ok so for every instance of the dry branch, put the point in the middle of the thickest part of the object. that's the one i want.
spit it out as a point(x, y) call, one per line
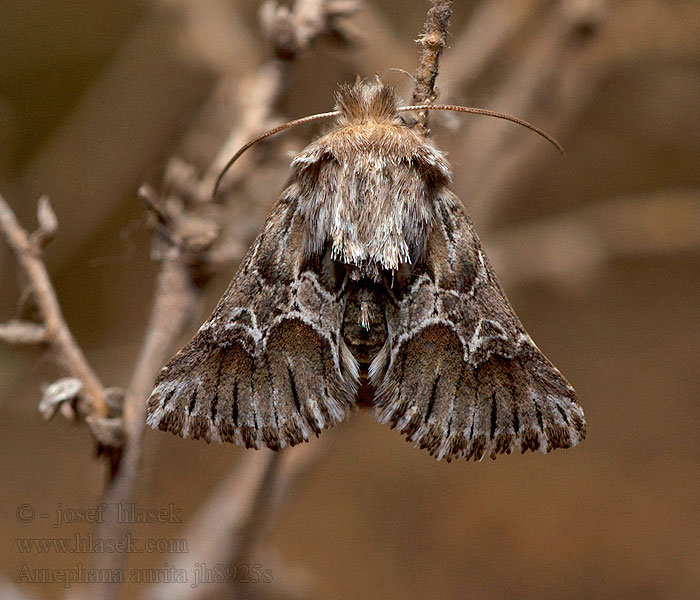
point(54, 330)
point(432, 39)
point(532, 90)
point(187, 228)
point(230, 524)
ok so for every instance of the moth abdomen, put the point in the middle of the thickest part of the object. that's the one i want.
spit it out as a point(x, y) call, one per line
point(364, 328)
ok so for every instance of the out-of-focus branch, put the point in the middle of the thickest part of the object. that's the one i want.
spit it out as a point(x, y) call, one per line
point(258, 93)
point(54, 330)
point(532, 90)
point(187, 226)
point(577, 44)
point(571, 248)
point(22, 332)
point(492, 27)
point(9, 590)
point(230, 525)
point(432, 39)
point(295, 464)
point(214, 530)
point(290, 33)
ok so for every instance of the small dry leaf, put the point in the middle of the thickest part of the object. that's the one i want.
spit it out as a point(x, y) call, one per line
point(60, 393)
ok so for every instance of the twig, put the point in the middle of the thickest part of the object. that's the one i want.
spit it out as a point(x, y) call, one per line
point(27, 247)
point(22, 332)
point(175, 299)
point(290, 33)
point(432, 39)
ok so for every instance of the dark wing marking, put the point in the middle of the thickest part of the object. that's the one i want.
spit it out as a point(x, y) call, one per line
point(460, 376)
point(269, 366)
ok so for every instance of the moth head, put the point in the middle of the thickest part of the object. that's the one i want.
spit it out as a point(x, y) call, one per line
point(366, 102)
point(375, 105)
point(369, 136)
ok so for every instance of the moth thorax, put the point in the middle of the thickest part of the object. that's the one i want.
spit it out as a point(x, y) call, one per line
point(369, 191)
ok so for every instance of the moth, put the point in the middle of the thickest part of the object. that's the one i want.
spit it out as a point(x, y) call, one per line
point(368, 285)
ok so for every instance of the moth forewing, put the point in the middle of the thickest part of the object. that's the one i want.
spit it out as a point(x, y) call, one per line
point(368, 282)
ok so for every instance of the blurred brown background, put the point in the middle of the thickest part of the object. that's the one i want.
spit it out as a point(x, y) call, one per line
point(597, 250)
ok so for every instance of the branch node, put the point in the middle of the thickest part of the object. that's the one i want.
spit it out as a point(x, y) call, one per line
point(48, 224)
point(108, 431)
point(291, 31)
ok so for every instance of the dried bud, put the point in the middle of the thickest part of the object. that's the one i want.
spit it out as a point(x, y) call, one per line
point(48, 223)
point(61, 392)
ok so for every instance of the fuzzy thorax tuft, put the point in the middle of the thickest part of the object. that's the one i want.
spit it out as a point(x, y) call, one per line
point(366, 102)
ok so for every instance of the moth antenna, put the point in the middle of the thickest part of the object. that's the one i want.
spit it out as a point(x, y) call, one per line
point(262, 136)
point(488, 113)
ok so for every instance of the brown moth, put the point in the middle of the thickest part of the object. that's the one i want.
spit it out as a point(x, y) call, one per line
point(368, 284)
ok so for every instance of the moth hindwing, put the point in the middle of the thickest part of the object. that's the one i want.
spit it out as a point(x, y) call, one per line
point(368, 284)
